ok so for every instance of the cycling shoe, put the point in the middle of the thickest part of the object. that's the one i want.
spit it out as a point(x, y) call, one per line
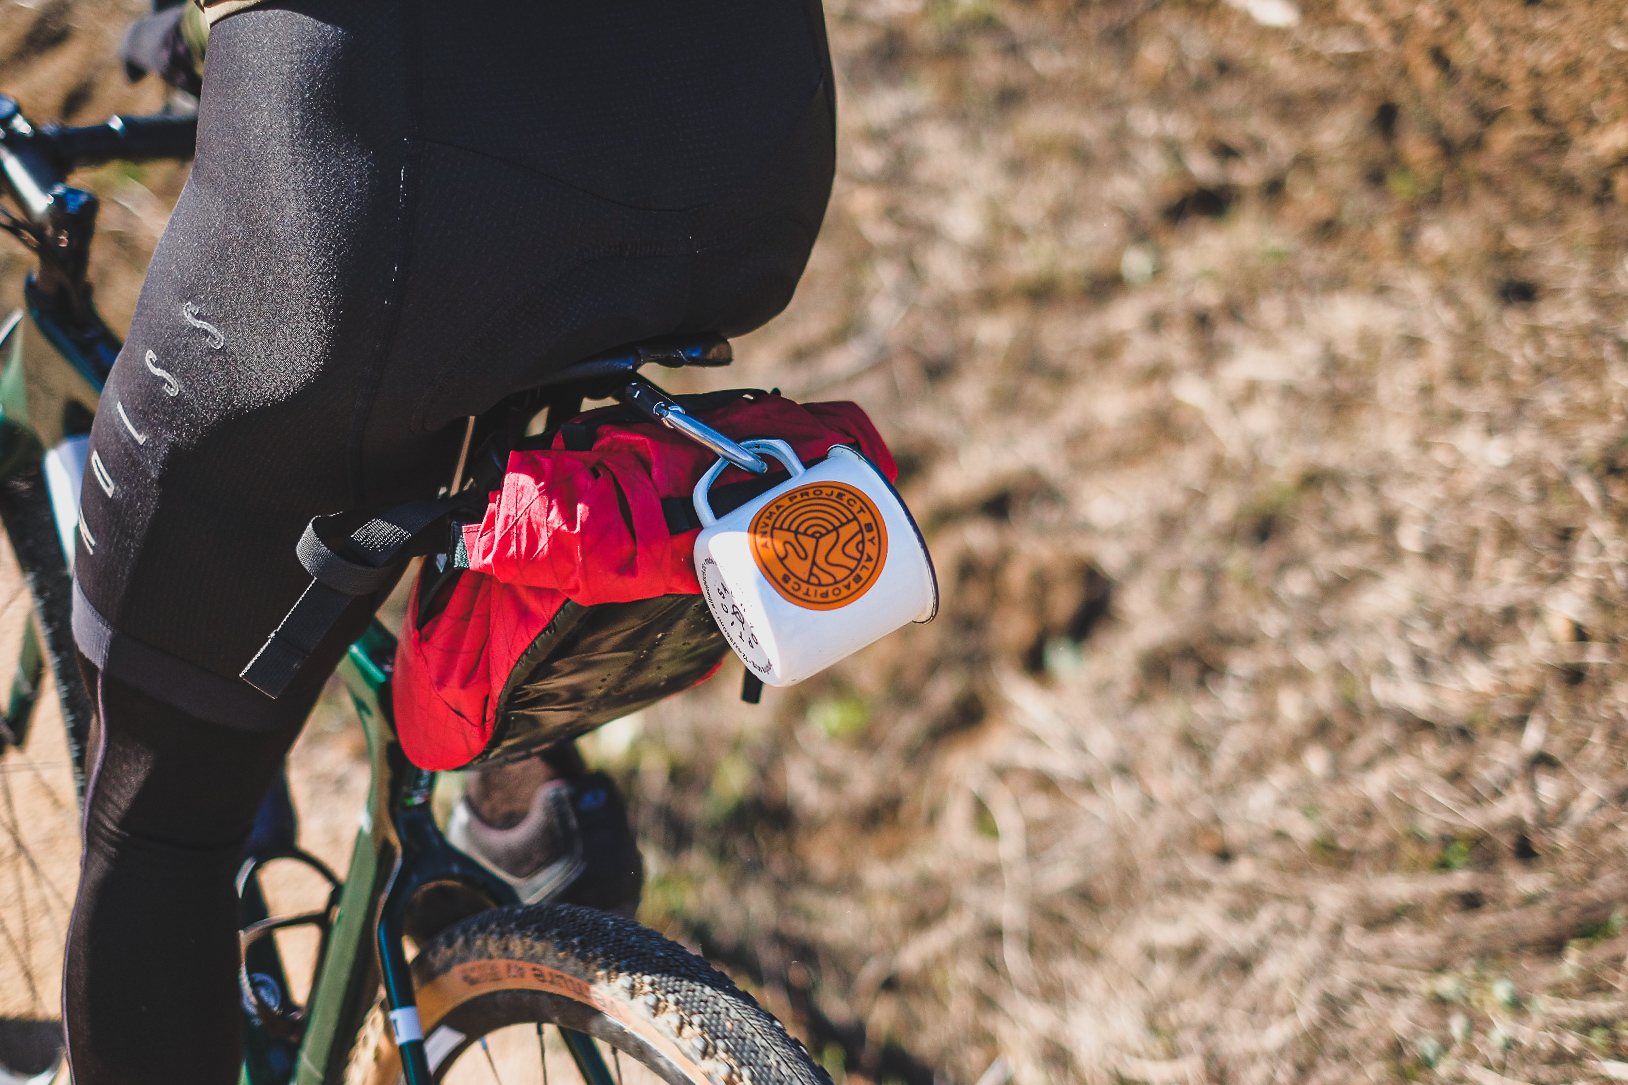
point(574, 846)
point(31, 1052)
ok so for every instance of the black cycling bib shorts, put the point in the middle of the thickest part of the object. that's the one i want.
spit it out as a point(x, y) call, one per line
point(399, 214)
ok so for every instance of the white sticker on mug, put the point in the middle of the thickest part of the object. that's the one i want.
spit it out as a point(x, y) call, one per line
point(736, 629)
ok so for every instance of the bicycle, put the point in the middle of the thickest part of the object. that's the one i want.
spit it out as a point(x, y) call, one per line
point(489, 964)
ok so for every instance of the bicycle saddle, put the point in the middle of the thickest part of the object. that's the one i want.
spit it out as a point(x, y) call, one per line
point(620, 363)
point(610, 374)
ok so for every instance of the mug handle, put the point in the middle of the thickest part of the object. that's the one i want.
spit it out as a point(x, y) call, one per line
point(779, 449)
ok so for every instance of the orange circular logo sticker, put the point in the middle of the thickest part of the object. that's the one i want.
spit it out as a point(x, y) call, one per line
point(821, 546)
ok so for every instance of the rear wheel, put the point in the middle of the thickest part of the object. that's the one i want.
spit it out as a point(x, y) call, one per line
point(39, 803)
point(39, 874)
point(488, 986)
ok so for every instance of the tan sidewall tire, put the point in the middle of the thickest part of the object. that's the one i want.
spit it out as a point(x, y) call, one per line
point(600, 974)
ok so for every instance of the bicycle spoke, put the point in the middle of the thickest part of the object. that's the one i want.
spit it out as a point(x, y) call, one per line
point(542, 1051)
point(30, 767)
point(13, 830)
point(28, 970)
point(33, 769)
point(38, 823)
point(616, 1057)
point(487, 1051)
point(21, 945)
point(24, 952)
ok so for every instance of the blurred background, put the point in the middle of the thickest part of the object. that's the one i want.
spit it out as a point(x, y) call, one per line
point(1256, 369)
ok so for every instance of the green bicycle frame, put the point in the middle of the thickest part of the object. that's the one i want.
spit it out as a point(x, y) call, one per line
point(399, 850)
point(48, 392)
point(347, 975)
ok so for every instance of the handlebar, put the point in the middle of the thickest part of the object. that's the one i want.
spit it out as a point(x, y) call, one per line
point(58, 221)
point(34, 161)
point(124, 139)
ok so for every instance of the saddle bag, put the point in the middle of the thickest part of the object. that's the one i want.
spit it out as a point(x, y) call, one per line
point(573, 600)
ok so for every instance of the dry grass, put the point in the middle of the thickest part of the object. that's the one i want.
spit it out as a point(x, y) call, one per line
point(1261, 389)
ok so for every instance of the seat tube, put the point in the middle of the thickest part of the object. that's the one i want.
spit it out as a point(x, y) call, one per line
point(347, 979)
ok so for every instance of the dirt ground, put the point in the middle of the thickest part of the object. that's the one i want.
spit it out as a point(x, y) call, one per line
point(1257, 370)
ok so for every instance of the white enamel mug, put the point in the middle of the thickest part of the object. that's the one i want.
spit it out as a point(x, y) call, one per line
point(815, 569)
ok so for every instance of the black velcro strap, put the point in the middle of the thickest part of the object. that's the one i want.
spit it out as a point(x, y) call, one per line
point(377, 545)
point(280, 658)
point(680, 515)
point(363, 563)
point(327, 567)
point(680, 511)
point(576, 437)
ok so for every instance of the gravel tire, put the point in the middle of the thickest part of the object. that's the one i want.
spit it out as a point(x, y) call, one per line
point(597, 973)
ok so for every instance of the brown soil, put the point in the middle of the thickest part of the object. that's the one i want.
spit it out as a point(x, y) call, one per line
point(1258, 374)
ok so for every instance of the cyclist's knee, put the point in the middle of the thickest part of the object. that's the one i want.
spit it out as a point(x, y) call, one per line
point(167, 782)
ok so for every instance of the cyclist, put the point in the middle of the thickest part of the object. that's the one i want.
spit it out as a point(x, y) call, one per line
point(399, 214)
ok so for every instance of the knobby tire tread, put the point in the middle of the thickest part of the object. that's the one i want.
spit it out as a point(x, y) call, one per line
point(722, 1028)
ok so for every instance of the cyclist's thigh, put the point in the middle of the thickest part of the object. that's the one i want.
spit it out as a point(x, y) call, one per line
point(231, 415)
